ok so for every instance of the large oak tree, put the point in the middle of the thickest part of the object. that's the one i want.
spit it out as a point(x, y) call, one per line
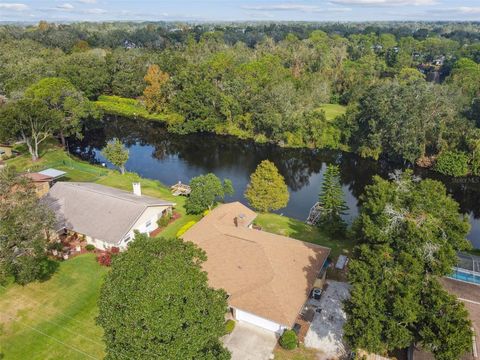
point(156, 304)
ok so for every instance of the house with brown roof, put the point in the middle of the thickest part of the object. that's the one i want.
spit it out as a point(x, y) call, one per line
point(267, 277)
point(106, 216)
point(44, 180)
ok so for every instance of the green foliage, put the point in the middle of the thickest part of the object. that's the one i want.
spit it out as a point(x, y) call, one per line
point(206, 191)
point(267, 189)
point(90, 247)
point(475, 163)
point(156, 302)
point(117, 154)
point(164, 220)
point(288, 340)
point(332, 202)
point(410, 232)
point(453, 163)
point(132, 108)
point(401, 121)
point(229, 326)
point(184, 228)
point(446, 328)
point(466, 76)
point(87, 71)
point(23, 222)
point(64, 102)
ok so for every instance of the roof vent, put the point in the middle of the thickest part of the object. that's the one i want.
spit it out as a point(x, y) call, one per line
point(137, 188)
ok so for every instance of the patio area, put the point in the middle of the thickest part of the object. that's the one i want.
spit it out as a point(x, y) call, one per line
point(326, 330)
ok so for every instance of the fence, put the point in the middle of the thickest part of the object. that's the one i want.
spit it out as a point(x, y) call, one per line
point(467, 269)
point(69, 164)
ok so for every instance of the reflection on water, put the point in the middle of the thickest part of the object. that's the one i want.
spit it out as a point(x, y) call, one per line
point(156, 154)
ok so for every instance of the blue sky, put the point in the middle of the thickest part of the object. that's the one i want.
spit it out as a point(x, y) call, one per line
point(237, 10)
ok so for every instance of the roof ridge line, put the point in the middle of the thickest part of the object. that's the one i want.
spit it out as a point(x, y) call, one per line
point(108, 194)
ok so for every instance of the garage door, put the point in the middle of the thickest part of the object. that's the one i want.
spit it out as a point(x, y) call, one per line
point(258, 321)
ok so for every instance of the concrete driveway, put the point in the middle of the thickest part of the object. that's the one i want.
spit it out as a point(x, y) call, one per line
point(249, 342)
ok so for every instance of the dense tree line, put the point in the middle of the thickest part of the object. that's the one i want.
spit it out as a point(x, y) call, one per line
point(409, 232)
point(268, 81)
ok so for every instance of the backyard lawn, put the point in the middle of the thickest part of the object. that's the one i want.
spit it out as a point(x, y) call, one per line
point(54, 319)
point(297, 229)
point(333, 110)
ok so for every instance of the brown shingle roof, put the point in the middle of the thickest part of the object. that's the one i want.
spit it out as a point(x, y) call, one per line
point(265, 274)
point(37, 177)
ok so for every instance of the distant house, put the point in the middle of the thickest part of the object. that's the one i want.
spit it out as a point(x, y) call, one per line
point(53, 173)
point(106, 216)
point(40, 182)
point(268, 277)
point(44, 180)
point(5, 151)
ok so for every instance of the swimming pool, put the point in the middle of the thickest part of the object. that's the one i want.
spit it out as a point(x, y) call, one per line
point(465, 275)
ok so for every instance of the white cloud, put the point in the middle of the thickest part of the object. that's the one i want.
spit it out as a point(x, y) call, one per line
point(282, 7)
point(13, 6)
point(65, 6)
point(95, 11)
point(295, 7)
point(469, 10)
point(384, 2)
point(87, 1)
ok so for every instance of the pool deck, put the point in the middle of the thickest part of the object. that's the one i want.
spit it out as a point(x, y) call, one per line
point(469, 294)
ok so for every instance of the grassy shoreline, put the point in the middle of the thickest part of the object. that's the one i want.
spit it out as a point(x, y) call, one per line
point(133, 108)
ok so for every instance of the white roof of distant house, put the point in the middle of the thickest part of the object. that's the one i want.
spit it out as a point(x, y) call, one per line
point(53, 173)
point(98, 211)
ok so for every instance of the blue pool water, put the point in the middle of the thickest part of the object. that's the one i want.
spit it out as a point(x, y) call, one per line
point(466, 276)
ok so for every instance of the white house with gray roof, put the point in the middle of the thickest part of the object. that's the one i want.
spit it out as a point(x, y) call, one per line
point(106, 216)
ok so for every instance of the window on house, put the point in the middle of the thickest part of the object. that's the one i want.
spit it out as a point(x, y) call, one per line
point(148, 224)
point(127, 239)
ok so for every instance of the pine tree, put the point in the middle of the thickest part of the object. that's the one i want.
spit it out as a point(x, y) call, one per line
point(332, 202)
point(267, 189)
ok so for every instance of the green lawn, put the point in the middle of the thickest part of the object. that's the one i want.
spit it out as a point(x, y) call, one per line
point(333, 110)
point(300, 353)
point(297, 229)
point(54, 319)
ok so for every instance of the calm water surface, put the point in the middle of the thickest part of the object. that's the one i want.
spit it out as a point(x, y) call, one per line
point(156, 154)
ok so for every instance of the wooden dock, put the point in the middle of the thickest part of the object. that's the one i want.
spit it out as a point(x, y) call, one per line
point(180, 189)
point(314, 214)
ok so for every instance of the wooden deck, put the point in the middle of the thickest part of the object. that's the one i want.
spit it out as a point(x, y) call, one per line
point(180, 189)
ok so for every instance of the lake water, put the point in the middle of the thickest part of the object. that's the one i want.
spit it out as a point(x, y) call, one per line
point(156, 154)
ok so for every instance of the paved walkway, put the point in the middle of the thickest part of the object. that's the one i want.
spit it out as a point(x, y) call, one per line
point(249, 342)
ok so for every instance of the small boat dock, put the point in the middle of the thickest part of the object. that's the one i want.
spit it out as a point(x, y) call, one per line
point(180, 189)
